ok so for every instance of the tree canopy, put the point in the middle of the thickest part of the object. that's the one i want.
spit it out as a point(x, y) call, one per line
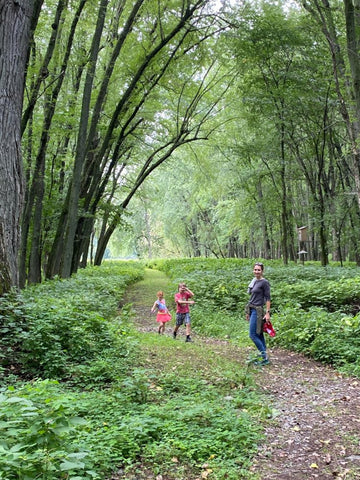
point(183, 128)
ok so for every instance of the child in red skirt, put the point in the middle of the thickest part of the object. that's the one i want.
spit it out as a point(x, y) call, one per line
point(163, 314)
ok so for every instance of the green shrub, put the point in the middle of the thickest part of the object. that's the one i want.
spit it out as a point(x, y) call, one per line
point(329, 337)
point(114, 410)
point(310, 304)
point(331, 295)
point(52, 327)
point(36, 436)
point(13, 331)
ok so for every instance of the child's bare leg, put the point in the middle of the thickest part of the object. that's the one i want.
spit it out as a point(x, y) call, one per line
point(175, 330)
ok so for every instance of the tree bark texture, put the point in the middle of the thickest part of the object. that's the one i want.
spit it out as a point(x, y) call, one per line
point(15, 18)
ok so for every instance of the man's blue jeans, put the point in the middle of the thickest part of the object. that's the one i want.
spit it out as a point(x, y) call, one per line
point(259, 340)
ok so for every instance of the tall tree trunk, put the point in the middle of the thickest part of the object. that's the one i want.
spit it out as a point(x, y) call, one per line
point(36, 246)
point(347, 89)
point(262, 215)
point(284, 202)
point(72, 218)
point(15, 20)
point(323, 234)
point(352, 12)
point(34, 204)
point(43, 73)
point(103, 241)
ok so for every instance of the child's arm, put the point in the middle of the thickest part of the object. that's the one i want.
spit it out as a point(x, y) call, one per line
point(154, 307)
point(189, 292)
point(185, 302)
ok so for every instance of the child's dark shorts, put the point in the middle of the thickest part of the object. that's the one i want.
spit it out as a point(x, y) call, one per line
point(182, 318)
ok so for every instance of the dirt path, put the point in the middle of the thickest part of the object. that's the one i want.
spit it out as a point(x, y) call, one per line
point(315, 429)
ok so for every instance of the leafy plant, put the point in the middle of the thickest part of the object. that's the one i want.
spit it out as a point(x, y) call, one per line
point(36, 435)
point(114, 408)
point(52, 328)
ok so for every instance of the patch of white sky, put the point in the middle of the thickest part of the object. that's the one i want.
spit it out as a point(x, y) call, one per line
point(217, 5)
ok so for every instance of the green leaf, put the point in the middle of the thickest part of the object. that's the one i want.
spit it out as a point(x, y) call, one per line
point(66, 465)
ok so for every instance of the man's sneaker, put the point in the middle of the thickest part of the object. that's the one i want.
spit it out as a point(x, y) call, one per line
point(188, 339)
point(174, 334)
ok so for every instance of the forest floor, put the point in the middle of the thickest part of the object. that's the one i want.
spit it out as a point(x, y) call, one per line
point(314, 432)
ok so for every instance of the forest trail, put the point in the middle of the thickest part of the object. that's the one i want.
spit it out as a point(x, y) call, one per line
point(314, 432)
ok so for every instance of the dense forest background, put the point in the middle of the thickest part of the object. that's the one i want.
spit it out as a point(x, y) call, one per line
point(181, 128)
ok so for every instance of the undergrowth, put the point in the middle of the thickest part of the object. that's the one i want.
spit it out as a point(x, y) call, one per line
point(81, 399)
point(84, 396)
point(314, 309)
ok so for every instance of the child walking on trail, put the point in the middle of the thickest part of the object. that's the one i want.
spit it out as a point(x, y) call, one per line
point(182, 300)
point(163, 314)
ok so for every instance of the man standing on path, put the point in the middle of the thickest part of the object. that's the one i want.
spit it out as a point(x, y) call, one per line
point(182, 310)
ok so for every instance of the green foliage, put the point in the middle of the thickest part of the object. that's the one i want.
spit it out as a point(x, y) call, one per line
point(312, 306)
point(201, 430)
point(173, 421)
point(332, 338)
point(36, 436)
point(116, 409)
point(180, 419)
point(13, 329)
point(61, 328)
point(327, 293)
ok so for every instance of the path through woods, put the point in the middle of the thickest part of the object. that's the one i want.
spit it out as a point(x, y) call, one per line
point(315, 432)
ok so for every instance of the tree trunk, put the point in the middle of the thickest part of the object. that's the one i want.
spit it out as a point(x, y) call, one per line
point(34, 204)
point(72, 218)
point(44, 72)
point(15, 20)
point(103, 241)
point(284, 203)
point(263, 222)
point(352, 12)
point(347, 89)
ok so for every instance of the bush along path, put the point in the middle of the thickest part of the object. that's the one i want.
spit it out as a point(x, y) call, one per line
point(313, 426)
